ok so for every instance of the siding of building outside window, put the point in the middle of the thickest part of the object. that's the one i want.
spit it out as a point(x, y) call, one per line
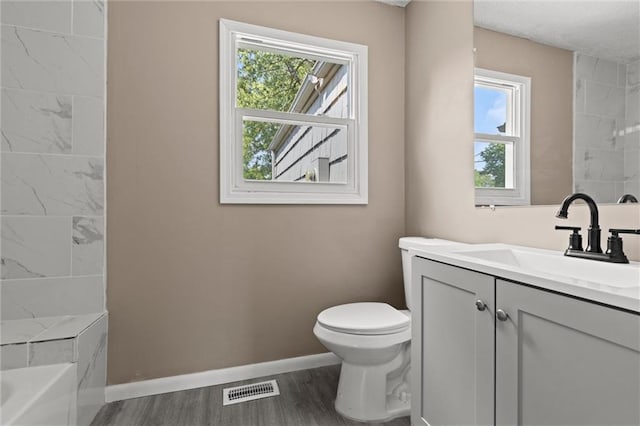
point(318, 151)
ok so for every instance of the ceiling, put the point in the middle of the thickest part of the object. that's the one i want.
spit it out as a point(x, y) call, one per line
point(607, 29)
point(401, 3)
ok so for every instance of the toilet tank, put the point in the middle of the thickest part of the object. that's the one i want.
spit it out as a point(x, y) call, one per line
point(407, 243)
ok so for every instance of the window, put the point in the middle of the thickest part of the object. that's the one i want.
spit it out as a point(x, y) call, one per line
point(501, 143)
point(293, 117)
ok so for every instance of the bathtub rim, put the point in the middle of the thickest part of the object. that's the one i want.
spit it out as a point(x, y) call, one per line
point(24, 396)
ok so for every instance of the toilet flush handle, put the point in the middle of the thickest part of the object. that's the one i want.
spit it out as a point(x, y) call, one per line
point(480, 305)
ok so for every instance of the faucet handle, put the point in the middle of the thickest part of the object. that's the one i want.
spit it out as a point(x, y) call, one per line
point(614, 244)
point(569, 228)
point(575, 239)
point(615, 232)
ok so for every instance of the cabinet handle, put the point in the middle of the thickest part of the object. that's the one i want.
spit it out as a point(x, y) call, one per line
point(501, 315)
point(480, 305)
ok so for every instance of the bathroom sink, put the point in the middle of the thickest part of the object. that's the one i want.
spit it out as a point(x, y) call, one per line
point(547, 262)
point(612, 284)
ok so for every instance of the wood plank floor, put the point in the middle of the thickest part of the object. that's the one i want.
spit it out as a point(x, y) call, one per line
point(306, 399)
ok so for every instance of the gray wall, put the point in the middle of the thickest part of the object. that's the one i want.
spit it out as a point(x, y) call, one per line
point(551, 72)
point(195, 285)
point(439, 133)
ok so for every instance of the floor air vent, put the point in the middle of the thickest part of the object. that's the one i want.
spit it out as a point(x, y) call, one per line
point(250, 392)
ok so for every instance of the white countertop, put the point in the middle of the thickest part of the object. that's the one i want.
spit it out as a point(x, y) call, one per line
point(612, 284)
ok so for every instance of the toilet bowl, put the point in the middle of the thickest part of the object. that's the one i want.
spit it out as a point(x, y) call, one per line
point(374, 378)
point(373, 340)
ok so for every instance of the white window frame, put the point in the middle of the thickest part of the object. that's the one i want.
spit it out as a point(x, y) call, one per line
point(518, 162)
point(233, 187)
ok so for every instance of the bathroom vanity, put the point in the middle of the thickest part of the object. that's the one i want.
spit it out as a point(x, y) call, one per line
point(510, 335)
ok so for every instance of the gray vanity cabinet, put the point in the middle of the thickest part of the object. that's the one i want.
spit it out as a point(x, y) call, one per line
point(564, 361)
point(455, 341)
point(551, 360)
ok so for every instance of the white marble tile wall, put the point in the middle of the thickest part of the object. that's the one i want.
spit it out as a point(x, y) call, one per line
point(632, 131)
point(44, 15)
point(13, 356)
point(52, 202)
point(88, 245)
point(599, 127)
point(51, 352)
point(23, 331)
point(48, 297)
point(52, 185)
point(45, 340)
point(92, 370)
point(52, 62)
point(36, 122)
point(52, 188)
point(35, 246)
point(81, 339)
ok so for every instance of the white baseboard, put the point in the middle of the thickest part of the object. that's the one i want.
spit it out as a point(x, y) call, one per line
point(217, 377)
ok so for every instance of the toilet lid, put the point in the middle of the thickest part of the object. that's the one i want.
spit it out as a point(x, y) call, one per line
point(364, 318)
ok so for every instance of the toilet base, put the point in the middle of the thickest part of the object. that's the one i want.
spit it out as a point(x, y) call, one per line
point(399, 409)
point(376, 394)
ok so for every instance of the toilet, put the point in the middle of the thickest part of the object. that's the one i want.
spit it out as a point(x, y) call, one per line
point(373, 340)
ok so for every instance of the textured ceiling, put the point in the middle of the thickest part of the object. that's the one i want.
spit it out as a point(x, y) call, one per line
point(607, 29)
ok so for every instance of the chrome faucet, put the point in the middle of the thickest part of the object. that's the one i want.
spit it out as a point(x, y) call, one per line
point(627, 198)
point(593, 251)
point(593, 233)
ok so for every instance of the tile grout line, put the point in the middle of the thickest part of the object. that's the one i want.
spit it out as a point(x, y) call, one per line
point(13, 216)
point(52, 32)
point(45, 92)
point(3, 280)
point(71, 12)
point(49, 154)
point(71, 247)
point(32, 339)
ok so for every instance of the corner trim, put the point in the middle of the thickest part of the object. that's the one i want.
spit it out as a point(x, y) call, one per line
point(217, 377)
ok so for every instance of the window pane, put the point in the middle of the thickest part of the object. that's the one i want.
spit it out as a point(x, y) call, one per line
point(280, 82)
point(490, 110)
point(256, 156)
point(294, 153)
point(490, 164)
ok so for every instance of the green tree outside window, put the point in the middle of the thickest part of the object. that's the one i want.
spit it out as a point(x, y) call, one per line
point(266, 81)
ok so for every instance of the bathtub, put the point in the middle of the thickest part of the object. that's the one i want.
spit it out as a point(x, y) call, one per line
point(43, 395)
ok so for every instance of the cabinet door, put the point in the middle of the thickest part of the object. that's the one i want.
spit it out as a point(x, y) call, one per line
point(564, 361)
point(453, 346)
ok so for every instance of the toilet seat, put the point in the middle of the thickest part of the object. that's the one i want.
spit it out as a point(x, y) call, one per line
point(365, 318)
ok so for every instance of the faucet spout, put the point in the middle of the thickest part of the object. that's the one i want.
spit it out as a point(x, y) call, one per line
point(627, 198)
point(593, 243)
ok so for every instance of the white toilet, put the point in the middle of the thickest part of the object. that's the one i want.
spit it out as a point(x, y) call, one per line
point(374, 342)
